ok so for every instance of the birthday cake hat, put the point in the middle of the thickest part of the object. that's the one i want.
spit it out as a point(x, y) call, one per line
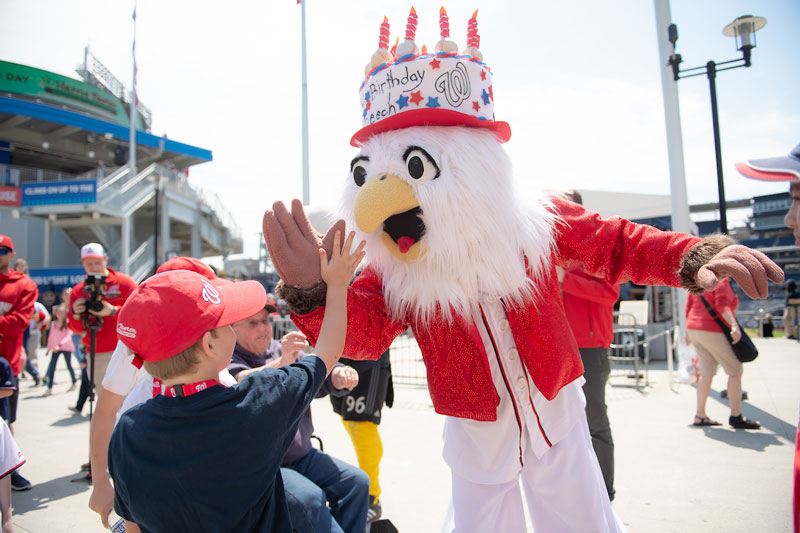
point(407, 86)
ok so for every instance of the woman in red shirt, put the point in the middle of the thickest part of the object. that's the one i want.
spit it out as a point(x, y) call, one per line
point(713, 349)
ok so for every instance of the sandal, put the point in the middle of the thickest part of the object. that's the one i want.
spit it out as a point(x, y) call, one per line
point(705, 421)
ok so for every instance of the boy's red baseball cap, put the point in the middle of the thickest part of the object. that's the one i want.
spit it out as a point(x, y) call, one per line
point(181, 262)
point(171, 311)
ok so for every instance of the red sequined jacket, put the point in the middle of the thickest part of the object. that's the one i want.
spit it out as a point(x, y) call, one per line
point(459, 379)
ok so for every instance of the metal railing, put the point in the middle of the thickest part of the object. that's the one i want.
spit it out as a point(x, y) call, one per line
point(123, 191)
point(408, 368)
point(110, 179)
point(141, 261)
point(15, 175)
point(630, 345)
point(405, 356)
point(215, 203)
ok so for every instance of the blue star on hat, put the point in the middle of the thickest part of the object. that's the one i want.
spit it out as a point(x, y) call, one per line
point(433, 102)
point(402, 101)
point(486, 97)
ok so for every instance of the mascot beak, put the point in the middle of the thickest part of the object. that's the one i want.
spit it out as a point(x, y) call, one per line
point(388, 202)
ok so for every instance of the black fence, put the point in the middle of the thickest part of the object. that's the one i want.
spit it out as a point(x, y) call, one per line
point(407, 366)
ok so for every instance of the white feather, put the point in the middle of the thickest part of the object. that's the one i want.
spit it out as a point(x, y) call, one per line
point(477, 232)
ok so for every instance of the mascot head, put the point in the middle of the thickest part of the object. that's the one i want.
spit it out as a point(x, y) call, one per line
point(431, 189)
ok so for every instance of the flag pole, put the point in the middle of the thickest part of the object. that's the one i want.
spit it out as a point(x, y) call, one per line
point(306, 198)
point(133, 102)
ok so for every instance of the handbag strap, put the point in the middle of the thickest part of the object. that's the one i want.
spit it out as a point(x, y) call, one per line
point(713, 313)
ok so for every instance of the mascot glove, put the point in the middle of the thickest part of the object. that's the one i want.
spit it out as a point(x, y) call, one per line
point(293, 244)
point(750, 268)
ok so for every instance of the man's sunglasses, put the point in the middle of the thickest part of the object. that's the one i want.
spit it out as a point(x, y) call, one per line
point(5, 251)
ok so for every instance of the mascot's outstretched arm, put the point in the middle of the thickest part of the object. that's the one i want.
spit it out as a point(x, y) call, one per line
point(619, 250)
point(293, 243)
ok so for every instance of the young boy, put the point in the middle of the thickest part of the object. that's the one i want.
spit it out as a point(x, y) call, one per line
point(206, 457)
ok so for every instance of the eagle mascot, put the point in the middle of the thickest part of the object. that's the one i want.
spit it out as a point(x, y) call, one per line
point(455, 255)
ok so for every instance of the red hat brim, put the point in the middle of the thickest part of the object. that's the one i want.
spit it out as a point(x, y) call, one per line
point(243, 300)
point(430, 117)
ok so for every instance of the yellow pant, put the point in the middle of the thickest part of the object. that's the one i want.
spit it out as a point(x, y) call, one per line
point(369, 450)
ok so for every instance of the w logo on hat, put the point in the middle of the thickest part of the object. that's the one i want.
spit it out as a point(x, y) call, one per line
point(210, 294)
point(454, 85)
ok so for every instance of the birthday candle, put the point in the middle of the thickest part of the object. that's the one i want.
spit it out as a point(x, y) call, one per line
point(383, 39)
point(382, 54)
point(473, 39)
point(409, 47)
point(444, 23)
point(411, 25)
point(445, 44)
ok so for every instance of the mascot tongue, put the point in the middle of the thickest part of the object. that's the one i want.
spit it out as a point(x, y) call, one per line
point(404, 243)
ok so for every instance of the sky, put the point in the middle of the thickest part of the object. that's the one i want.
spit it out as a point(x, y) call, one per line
point(579, 83)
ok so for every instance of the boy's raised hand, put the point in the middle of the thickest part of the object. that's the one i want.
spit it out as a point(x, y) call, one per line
point(342, 265)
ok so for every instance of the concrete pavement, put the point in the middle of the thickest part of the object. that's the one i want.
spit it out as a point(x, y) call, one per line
point(669, 476)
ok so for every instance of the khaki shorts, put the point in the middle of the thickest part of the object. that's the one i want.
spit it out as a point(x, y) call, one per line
point(713, 349)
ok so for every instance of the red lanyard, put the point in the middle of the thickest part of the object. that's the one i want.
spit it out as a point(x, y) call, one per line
point(182, 391)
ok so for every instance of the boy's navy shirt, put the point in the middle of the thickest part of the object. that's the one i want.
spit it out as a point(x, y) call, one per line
point(211, 461)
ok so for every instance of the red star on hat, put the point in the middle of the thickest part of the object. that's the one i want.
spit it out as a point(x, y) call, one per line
point(483, 74)
point(416, 97)
point(476, 106)
point(434, 64)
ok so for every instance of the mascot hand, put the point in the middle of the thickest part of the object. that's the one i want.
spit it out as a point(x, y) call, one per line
point(293, 244)
point(750, 268)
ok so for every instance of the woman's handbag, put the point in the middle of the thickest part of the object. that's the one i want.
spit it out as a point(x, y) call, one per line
point(745, 350)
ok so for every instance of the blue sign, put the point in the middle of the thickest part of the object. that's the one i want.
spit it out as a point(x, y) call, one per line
point(55, 279)
point(59, 192)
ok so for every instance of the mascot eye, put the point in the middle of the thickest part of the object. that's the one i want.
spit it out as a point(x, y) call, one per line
point(420, 164)
point(359, 170)
point(359, 175)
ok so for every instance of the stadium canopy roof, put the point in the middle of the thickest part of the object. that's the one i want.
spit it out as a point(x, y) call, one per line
point(65, 139)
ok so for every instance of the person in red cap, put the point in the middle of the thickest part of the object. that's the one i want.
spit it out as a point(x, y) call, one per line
point(125, 385)
point(785, 168)
point(117, 288)
point(170, 457)
point(18, 294)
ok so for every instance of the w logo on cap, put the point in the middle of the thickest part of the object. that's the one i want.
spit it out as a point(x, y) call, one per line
point(210, 294)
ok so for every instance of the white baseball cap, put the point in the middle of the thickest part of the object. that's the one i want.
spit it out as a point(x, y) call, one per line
point(93, 249)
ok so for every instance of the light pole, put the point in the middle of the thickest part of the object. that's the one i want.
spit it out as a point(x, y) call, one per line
point(743, 29)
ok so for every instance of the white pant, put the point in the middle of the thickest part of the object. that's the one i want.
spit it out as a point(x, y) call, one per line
point(564, 492)
point(10, 456)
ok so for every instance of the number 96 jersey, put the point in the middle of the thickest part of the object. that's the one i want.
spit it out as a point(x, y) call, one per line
point(365, 402)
